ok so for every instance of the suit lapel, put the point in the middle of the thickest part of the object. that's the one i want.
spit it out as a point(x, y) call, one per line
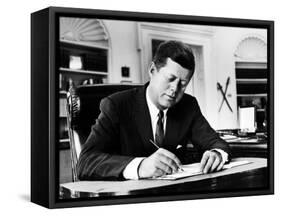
point(142, 119)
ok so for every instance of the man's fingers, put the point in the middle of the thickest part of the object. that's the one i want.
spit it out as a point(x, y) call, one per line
point(204, 160)
point(170, 155)
point(208, 165)
point(158, 173)
point(159, 163)
point(169, 159)
point(220, 166)
point(216, 163)
point(169, 163)
point(211, 159)
point(163, 167)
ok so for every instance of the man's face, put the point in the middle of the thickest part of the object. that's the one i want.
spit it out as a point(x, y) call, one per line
point(167, 85)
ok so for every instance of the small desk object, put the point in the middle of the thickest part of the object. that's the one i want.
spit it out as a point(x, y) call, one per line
point(253, 175)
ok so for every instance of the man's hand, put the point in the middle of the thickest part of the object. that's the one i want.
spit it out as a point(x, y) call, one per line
point(211, 161)
point(159, 163)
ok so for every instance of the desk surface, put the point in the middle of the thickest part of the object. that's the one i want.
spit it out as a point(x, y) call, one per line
point(252, 175)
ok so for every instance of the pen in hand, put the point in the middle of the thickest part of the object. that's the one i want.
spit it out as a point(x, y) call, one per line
point(153, 143)
point(180, 168)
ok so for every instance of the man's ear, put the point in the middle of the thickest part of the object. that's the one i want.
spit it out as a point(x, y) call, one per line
point(152, 69)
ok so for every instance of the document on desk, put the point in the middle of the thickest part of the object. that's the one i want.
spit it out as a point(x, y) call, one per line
point(194, 169)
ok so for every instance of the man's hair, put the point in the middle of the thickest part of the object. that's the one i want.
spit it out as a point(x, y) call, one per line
point(179, 52)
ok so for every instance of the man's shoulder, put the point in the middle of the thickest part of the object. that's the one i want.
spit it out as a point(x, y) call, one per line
point(126, 96)
point(187, 98)
point(188, 103)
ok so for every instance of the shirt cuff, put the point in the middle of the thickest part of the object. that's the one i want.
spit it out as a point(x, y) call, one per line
point(224, 155)
point(131, 170)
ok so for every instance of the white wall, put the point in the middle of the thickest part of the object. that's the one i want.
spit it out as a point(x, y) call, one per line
point(225, 43)
point(123, 39)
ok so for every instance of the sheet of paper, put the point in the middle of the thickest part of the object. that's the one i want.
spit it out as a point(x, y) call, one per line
point(194, 169)
point(247, 119)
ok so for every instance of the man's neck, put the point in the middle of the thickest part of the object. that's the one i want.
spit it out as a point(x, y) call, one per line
point(149, 97)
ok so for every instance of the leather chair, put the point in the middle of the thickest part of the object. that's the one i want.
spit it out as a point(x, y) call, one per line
point(82, 111)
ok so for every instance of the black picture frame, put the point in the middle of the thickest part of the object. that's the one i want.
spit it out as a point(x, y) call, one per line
point(45, 104)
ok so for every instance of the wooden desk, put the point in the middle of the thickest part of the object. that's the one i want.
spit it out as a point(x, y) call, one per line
point(249, 176)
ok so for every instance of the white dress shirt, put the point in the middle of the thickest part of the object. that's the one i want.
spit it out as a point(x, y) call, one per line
point(131, 170)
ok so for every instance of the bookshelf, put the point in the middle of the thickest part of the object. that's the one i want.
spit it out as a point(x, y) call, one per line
point(89, 66)
point(252, 88)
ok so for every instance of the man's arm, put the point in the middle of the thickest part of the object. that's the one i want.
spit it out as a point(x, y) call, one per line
point(217, 151)
point(100, 157)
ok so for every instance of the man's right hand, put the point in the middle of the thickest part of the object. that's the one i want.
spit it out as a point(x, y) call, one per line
point(159, 163)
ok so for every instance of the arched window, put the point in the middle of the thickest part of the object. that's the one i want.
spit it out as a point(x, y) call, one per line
point(90, 31)
point(251, 48)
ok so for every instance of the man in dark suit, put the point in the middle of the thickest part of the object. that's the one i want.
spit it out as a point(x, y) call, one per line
point(138, 131)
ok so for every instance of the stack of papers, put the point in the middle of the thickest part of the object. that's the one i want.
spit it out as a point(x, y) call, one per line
point(194, 169)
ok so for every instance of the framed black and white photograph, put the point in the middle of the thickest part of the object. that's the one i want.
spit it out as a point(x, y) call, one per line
point(131, 107)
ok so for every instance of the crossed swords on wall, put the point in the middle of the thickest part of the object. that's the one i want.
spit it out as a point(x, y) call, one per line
point(219, 87)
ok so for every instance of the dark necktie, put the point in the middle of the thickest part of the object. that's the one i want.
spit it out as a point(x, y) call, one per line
point(159, 134)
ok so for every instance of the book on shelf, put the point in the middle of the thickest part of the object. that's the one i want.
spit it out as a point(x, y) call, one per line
point(62, 111)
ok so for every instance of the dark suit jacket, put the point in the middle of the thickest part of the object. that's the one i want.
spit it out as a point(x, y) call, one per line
point(123, 129)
